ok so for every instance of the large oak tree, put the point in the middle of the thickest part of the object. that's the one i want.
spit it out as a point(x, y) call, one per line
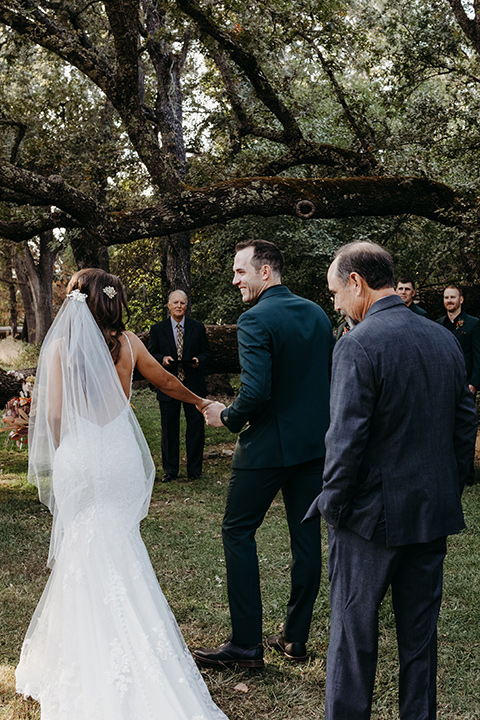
point(194, 112)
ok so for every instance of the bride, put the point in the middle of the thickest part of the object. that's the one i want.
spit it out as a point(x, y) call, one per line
point(103, 643)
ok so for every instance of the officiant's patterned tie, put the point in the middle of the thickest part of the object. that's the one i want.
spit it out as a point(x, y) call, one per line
point(181, 371)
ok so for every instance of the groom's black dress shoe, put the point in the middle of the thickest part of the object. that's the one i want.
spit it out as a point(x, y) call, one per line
point(168, 478)
point(293, 651)
point(230, 654)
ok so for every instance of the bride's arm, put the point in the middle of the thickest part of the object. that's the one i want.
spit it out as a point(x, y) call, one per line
point(158, 376)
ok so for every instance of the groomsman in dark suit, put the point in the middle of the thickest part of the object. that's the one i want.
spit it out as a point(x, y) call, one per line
point(466, 329)
point(406, 290)
point(180, 344)
point(398, 451)
point(281, 412)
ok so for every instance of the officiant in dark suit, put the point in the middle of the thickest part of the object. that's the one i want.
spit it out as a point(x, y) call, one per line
point(398, 451)
point(281, 413)
point(180, 344)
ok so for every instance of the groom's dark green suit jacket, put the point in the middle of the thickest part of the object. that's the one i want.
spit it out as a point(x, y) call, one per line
point(285, 344)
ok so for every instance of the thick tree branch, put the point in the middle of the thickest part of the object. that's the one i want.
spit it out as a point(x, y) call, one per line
point(34, 24)
point(120, 85)
point(301, 151)
point(247, 125)
point(20, 130)
point(250, 66)
point(198, 207)
point(57, 192)
point(305, 199)
point(360, 134)
point(28, 229)
point(167, 66)
point(124, 21)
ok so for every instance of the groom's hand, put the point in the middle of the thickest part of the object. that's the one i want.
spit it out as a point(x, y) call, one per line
point(212, 414)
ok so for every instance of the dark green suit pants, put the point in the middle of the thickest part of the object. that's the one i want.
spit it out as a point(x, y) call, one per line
point(250, 494)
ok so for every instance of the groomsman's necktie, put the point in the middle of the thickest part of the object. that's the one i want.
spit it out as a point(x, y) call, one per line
point(181, 371)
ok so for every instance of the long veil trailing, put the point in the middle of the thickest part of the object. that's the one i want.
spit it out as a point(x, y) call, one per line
point(77, 388)
point(103, 643)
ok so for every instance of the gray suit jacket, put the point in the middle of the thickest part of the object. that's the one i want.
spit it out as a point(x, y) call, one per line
point(403, 427)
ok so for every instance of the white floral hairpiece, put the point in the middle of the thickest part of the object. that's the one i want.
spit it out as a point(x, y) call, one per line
point(77, 295)
point(110, 291)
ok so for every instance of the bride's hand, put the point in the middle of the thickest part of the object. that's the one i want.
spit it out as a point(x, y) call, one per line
point(204, 403)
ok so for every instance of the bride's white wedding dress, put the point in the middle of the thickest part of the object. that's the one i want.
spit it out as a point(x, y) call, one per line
point(103, 643)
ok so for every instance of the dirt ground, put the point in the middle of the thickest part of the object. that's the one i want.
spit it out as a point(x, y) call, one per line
point(10, 349)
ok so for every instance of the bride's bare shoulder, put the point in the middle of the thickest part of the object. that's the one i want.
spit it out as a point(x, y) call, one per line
point(129, 336)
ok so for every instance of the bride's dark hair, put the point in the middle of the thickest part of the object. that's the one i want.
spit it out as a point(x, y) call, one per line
point(107, 311)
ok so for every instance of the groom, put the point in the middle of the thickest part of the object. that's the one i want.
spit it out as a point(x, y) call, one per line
point(285, 345)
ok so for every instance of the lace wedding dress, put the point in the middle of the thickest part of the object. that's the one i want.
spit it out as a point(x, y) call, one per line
point(103, 643)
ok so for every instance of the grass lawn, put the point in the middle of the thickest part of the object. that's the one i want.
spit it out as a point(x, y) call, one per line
point(182, 534)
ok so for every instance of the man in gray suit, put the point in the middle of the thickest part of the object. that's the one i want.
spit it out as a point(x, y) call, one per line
point(398, 450)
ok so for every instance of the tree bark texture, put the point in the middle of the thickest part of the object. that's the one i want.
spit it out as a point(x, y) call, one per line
point(28, 332)
point(39, 278)
point(268, 197)
point(178, 263)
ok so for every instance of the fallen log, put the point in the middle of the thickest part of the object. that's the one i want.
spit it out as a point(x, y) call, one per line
point(224, 348)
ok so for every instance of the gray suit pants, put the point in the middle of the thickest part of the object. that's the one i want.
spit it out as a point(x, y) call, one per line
point(360, 572)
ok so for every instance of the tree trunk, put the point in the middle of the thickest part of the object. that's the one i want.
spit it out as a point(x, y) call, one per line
point(12, 288)
point(88, 252)
point(28, 332)
point(13, 308)
point(178, 263)
point(39, 278)
point(44, 302)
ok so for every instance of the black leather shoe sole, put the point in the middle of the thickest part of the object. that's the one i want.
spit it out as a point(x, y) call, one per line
point(229, 654)
point(227, 662)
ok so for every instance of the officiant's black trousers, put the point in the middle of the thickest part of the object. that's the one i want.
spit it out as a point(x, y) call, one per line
point(250, 494)
point(194, 437)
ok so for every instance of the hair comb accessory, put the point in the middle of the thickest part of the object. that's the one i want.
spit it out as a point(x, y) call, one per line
point(77, 295)
point(110, 291)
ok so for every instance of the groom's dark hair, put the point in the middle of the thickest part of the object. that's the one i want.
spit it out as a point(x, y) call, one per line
point(371, 261)
point(264, 253)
